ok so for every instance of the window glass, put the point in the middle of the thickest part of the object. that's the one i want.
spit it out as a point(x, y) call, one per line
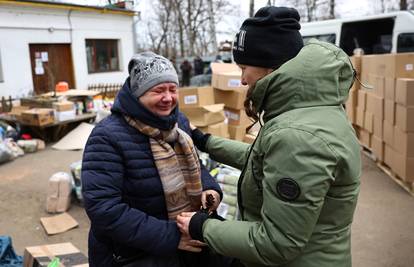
point(1, 71)
point(330, 38)
point(102, 55)
point(405, 42)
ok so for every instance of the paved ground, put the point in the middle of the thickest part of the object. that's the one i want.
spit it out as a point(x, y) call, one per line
point(383, 234)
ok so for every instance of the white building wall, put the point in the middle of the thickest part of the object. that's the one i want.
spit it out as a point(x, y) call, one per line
point(21, 26)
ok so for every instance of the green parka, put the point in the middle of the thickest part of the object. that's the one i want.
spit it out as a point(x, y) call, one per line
point(300, 181)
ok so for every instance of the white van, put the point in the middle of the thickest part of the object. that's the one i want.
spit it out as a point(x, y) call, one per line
point(379, 34)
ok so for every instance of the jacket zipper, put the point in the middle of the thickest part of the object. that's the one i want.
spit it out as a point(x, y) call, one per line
point(239, 183)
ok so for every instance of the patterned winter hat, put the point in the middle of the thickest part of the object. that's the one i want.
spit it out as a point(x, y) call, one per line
point(148, 69)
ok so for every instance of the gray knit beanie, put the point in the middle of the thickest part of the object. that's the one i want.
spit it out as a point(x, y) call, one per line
point(148, 69)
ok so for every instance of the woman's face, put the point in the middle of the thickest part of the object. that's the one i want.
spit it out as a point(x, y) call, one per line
point(161, 99)
point(251, 74)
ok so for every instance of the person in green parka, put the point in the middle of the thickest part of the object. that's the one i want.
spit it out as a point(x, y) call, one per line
point(300, 178)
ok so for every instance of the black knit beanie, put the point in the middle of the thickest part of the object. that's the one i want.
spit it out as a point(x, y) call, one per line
point(268, 39)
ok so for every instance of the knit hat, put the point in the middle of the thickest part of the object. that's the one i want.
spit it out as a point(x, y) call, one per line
point(148, 69)
point(268, 39)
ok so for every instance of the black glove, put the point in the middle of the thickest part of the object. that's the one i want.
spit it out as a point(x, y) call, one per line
point(195, 227)
point(200, 139)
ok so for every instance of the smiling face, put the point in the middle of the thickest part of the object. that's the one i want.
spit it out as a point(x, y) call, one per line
point(161, 99)
point(251, 74)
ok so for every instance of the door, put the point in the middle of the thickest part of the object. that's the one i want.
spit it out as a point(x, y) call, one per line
point(51, 63)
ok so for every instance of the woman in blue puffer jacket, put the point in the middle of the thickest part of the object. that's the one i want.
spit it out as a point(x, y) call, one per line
point(140, 170)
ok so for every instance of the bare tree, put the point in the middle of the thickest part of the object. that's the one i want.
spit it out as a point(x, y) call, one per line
point(403, 4)
point(251, 8)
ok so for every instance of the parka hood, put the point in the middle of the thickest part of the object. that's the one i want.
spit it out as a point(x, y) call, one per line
point(320, 75)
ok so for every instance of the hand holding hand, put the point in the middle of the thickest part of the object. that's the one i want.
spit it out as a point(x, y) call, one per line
point(183, 222)
point(188, 244)
point(213, 202)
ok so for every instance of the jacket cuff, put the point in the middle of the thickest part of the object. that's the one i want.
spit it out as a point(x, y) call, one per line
point(200, 139)
point(196, 225)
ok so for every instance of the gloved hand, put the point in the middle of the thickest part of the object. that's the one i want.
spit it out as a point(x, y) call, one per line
point(200, 139)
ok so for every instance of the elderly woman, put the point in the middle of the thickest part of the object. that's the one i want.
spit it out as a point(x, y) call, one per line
point(140, 170)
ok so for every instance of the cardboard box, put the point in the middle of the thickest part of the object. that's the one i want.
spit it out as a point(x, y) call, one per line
point(404, 167)
point(388, 133)
point(390, 88)
point(231, 99)
point(38, 116)
point(65, 115)
point(41, 256)
point(400, 65)
point(352, 100)
point(365, 138)
point(389, 65)
point(16, 111)
point(192, 97)
point(378, 83)
point(404, 118)
point(403, 142)
point(375, 105)
point(360, 117)
point(63, 106)
point(237, 117)
point(237, 132)
point(351, 114)
point(369, 122)
point(389, 111)
point(378, 128)
point(205, 115)
point(389, 156)
point(362, 100)
point(404, 92)
point(226, 76)
point(58, 192)
point(377, 147)
point(218, 129)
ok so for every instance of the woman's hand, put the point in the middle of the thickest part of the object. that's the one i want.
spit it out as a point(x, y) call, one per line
point(183, 222)
point(188, 244)
point(213, 203)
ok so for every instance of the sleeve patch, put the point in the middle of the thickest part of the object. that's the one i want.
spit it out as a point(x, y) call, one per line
point(288, 189)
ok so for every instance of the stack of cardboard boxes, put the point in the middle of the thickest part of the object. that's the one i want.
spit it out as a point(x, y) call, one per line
point(218, 109)
point(226, 81)
point(197, 103)
point(383, 114)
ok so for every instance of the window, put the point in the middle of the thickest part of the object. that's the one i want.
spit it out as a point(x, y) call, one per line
point(102, 55)
point(405, 42)
point(330, 38)
point(1, 72)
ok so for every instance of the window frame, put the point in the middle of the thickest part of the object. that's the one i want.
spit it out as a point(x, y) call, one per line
point(110, 44)
point(398, 42)
point(1, 70)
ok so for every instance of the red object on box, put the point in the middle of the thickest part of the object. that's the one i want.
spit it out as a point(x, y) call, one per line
point(62, 87)
point(26, 137)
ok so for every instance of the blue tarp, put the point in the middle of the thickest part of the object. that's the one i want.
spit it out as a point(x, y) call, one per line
point(8, 257)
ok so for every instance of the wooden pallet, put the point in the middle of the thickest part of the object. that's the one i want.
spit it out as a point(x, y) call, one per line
point(368, 152)
point(409, 187)
point(406, 185)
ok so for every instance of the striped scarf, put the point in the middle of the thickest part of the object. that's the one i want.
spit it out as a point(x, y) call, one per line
point(178, 167)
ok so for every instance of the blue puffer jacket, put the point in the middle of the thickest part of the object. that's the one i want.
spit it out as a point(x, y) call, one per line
point(123, 194)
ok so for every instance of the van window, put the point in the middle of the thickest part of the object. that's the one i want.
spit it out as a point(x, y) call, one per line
point(373, 36)
point(405, 42)
point(1, 72)
point(330, 38)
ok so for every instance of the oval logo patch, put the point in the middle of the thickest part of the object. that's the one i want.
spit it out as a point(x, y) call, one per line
point(288, 189)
